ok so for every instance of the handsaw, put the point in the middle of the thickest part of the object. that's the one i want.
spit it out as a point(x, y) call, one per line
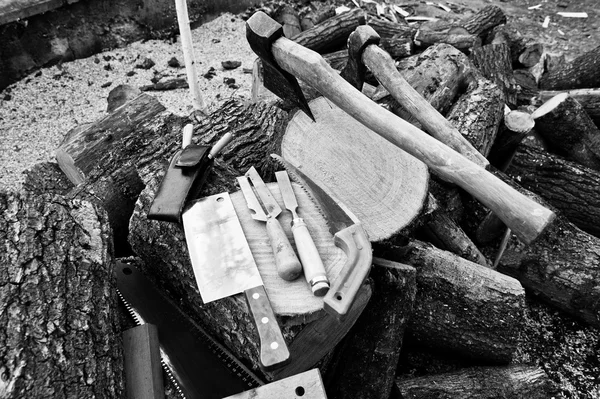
point(349, 235)
point(224, 266)
point(199, 366)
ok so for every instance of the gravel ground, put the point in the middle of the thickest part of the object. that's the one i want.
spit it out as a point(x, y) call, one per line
point(38, 111)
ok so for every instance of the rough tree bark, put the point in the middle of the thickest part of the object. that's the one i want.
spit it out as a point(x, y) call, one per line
point(58, 323)
point(583, 72)
point(588, 98)
point(493, 60)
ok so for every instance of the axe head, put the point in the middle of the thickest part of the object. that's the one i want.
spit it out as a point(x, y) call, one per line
point(355, 69)
point(261, 32)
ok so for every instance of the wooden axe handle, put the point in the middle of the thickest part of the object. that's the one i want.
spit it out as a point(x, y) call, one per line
point(525, 217)
point(384, 69)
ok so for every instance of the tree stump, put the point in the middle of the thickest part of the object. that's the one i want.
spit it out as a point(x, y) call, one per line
point(58, 322)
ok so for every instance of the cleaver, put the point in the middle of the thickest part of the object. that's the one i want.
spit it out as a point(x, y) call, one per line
point(224, 266)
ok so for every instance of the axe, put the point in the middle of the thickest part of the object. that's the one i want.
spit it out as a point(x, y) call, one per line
point(287, 60)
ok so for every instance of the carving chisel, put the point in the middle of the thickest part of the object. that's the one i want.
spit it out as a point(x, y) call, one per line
point(286, 261)
point(314, 270)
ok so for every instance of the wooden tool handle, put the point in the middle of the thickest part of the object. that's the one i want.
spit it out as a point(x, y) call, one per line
point(286, 261)
point(383, 67)
point(526, 218)
point(314, 270)
point(354, 242)
point(274, 352)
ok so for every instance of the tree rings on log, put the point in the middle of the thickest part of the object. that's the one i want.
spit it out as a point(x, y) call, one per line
point(381, 184)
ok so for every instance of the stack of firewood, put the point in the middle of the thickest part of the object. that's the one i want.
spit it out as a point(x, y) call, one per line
point(453, 281)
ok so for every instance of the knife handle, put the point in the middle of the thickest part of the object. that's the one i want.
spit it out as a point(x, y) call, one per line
point(286, 261)
point(314, 270)
point(274, 352)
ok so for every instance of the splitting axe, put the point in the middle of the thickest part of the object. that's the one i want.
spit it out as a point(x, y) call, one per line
point(287, 60)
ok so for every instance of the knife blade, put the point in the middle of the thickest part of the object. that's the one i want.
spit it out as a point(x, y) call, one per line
point(314, 270)
point(288, 266)
point(199, 366)
point(223, 266)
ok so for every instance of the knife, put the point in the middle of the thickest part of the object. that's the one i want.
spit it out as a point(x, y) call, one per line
point(314, 270)
point(223, 266)
point(198, 365)
point(288, 266)
point(348, 234)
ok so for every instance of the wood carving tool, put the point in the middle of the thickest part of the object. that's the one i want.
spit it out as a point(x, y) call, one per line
point(223, 266)
point(527, 218)
point(312, 265)
point(198, 365)
point(288, 266)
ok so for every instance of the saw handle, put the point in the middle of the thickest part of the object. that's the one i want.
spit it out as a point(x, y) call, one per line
point(314, 270)
point(288, 266)
point(274, 352)
point(355, 243)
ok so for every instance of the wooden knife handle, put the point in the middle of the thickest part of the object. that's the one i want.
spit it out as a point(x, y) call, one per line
point(354, 242)
point(314, 270)
point(525, 217)
point(288, 266)
point(274, 352)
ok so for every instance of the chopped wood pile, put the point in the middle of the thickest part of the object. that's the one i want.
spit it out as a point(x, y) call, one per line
point(448, 278)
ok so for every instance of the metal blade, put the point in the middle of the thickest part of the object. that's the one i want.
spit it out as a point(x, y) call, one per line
point(271, 206)
point(287, 192)
point(221, 258)
point(258, 213)
point(197, 364)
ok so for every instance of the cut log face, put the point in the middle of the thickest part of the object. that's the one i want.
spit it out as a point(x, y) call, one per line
point(382, 185)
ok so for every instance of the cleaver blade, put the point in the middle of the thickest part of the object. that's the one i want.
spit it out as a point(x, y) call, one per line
point(224, 266)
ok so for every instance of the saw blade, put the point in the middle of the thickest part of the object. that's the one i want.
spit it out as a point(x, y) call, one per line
point(199, 366)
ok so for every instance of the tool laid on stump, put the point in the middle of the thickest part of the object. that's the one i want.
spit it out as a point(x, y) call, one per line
point(199, 366)
point(348, 234)
point(185, 177)
point(288, 266)
point(224, 266)
point(527, 218)
point(307, 385)
point(312, 265)
point(364, 52)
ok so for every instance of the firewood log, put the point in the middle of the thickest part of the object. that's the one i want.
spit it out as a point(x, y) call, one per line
point(478, 112)
point(456, 36)
point(527, 87)
point(493, 60)
point(518, 381)
point(588, 98)
point(337, 59)
point(387, 29)
point(59, 326)
point(531, 54)
point(288, 17)
point(331, 33)
point(517, 125)
point(581, 73)
point(568, 130)
point(570, 187)
point(484, 20)
point(315, 17)
point(365, 364)
point(461, 307)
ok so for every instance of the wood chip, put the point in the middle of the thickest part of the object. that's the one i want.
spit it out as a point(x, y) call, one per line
point(401, 11)
point(573, 14)
point(546, 22)
point(341, 9)
point(443, 7)
point(419, 18)
point(535, 7)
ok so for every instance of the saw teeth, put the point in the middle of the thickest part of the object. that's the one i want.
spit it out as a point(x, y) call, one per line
point(135, 315)
point(298, 180)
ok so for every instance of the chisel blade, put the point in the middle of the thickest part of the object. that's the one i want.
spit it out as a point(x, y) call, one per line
point(285, 187)
point(271, 206)
point(258, 212)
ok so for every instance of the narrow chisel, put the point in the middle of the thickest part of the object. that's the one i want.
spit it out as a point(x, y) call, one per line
point(314, 270)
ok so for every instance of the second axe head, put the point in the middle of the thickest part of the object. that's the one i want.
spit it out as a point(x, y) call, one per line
point(355, 70)
point(262, 31)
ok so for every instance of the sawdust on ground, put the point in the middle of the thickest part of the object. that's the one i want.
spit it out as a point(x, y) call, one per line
point(43, 107)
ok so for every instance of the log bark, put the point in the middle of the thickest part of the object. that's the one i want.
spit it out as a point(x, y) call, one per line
point(518, 381)
point(484, 20)
point(461, 307)
point(288, 17)
point(315, 17)
point(568, 130)
point(517, 125)
point(387, 29)
point(561, 267)
point(456, 36)
point(493, 60)
point(365, 365)
point(527, 87)
point(583, 72)
point(331, 33)
point(477, 114)
point(588, 98)
point(58, 319)
point(570, 187)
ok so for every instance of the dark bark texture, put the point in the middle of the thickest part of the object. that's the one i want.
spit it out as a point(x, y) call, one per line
point(59, 329)
point(583, 72)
